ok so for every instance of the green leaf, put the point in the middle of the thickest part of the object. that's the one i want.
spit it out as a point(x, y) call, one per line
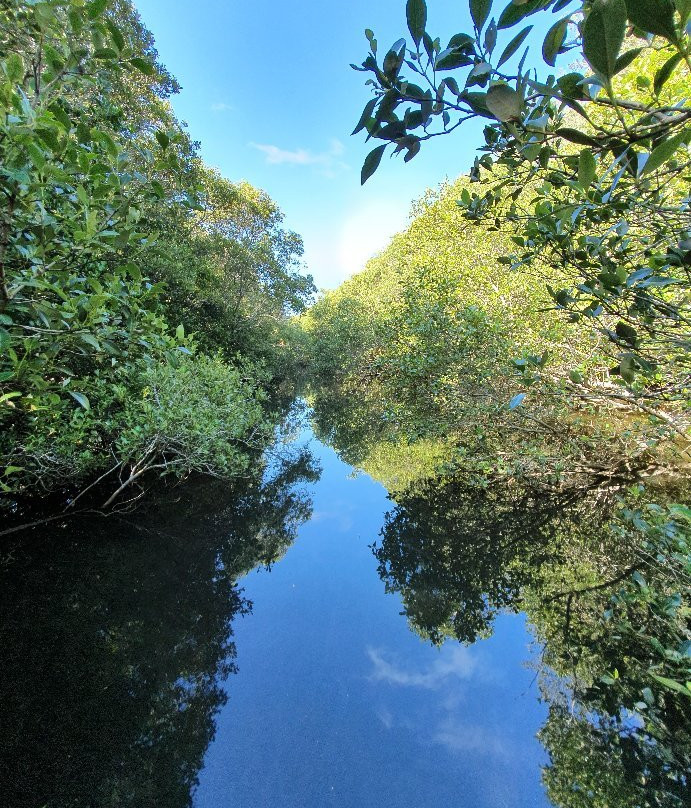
point(626, 333)
point(587, 169)
point(638, 275)
point(491, 37)
point(554, 39)
point(479, 11)
point(371, 163)
point(143, 66)
point(91, 340)
point(681, 511)
point(571, 87)
point(450, 59)
point(658, 282)
point(14, 67)
point(105, 53)
point(100, 136)
point(180, 332)
point(684, 9)
point(514, 45)
point(61, 116)
point(628, 368)
point(76, 20)
point(653, 16)
point(515, 12)
point(504, 103)
point(603, 34)
point(625, 59)
point(163, 139)
point(477, 102)
point(96, 8)
point(118, 38)
point(416, 13)
point(670, 684)
point(81, 399)
point(37, 155)
point(5, 339)
point(664, 151)
point(461, 42)
point(665, 72)
point(576, 136)
point(366, 115)
point(6, 397)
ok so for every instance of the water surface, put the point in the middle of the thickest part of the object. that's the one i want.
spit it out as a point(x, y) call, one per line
point(338, 703)
point(222, 647)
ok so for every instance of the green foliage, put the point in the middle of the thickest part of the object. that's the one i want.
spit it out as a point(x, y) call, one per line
point(192, 416)
point(606, 228)
point(232, 272)
point(116, 244)
point(440, 340)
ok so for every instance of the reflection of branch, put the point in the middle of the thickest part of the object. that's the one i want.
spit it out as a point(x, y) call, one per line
point(576, 592)
point(96, 482)
point(134, 475)
point(27, 525)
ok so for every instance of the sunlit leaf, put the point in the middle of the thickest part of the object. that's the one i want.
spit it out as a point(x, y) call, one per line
point(603, 34)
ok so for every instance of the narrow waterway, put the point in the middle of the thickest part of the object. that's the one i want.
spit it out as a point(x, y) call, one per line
point(338, 703)
point(178, 656)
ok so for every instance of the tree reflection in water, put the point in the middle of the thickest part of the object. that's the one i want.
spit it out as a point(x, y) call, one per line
point(600, 567)
point(601, 577)
point(117, 638)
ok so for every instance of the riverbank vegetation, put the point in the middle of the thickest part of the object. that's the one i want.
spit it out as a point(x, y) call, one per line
point(145, 301)
point(537, 312)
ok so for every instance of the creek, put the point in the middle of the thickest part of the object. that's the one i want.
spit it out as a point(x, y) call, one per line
point(156, 658)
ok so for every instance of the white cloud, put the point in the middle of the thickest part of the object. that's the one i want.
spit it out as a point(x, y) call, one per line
point(328, 161)
point(454, 662)
point(221, 106)
point(386, 717)
point(337, 519)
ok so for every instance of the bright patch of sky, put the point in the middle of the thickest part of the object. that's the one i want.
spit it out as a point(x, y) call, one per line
point(268, 91)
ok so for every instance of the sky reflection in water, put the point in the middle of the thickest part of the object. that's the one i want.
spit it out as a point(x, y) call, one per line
point(338, 703)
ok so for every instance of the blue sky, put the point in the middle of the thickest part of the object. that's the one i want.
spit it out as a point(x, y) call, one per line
point(268, 91)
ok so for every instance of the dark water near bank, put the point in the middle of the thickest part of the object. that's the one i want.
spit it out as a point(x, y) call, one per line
point(134, 663)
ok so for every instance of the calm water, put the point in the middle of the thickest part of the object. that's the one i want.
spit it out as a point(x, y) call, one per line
point(338, 703)
point(144, 653)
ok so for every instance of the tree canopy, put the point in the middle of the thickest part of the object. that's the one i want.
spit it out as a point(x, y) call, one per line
point(144, 299)
point(585, 170)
